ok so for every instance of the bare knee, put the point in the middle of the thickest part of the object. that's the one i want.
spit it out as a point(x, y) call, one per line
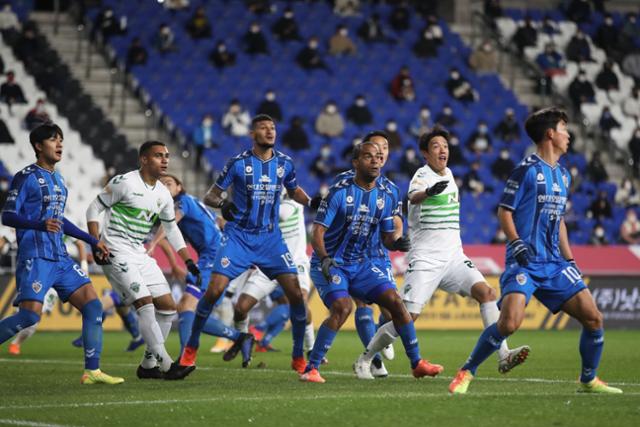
point(483, 293)
point(593, 320)
point(340, 310)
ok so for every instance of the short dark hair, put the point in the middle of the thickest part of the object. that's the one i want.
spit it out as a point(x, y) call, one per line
point(261, 118)
point(44, 131)
point(540, 121)
point(357, 149)
point(144, 148)
point(437, 130)
point(370, 135)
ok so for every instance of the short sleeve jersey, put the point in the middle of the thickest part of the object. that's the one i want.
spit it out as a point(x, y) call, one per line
point(198, 224)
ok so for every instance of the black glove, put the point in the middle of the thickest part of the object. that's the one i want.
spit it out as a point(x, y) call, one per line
point(228, 210)
point(328, 262)
point(98, 256)
point(315, 201)
point(521, 251)
point(436, 188)
point(575, 265)
point(403, 244)
point(193, 269)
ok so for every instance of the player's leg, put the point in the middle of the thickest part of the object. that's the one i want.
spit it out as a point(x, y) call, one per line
point(275, 322)
point(224, 312)
point(27, 315)
point(130, 321)
point(50, 300)
point(297, 313)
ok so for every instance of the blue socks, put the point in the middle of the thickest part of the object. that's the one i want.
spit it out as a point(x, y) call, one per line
point(381, 321)
point(298, 315)
point(203, 310)
point(14, 324)
point(92, 333)
point(185, 322)
point(324, 339)
point(131, 324)
point(410, 341)
point(591, 345)
point(214, 326)
point(274, 323)
point(364, 326)
point(489, 342)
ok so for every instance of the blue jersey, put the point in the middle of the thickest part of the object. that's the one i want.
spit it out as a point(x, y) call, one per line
point(198, 224)
point(257, 185)
point(37, 195)
point(353, 216)
point(537, 194)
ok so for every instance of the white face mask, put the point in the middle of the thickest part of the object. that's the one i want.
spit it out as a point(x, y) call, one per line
point(4, 185)
point(288, 15)
point(455, 76)
point(483, 129)
point(392, 127)
point(222, 48)
point(325, 152)
point(344, 32)
point(313, 45)
point(361, 102)
point(331, 109)
point(270, 96)
point(425, 114)
point(504, 155)
point(447, 111)
point(599, 232)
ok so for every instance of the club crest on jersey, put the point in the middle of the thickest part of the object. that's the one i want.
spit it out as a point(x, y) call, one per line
point(135, 287)
point(540, 177)
point(336, 279)
point(349, 199)
point(280, 171)
point(556, 188)
point(248, 170)
point(380, 203)
point(41, 181)
point(225, 262)
point(521, 278)
point(265, 179)
point(36, 286)
point(363, 208)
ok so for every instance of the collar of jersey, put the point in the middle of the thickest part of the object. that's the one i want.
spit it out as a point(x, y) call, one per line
point(543, 161)
point(46, 170)
point(144, 183)
point(263, 161)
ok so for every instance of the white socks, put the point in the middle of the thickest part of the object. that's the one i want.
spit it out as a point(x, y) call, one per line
point(224, 311)
point(490, 314)
point(154, 337)
point(386, 335)
point(309, 337)
point(165, 319)
point(242, 325)
point(24, 334)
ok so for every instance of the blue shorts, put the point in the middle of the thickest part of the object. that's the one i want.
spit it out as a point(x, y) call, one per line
point(384, 264)
point(552, 283)
point(364, 281)
point(240, 250)
point(205, 264)
point(35, 276)
point(277, 293)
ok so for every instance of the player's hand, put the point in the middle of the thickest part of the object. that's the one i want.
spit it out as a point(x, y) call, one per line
point(192, 267)
point(179, 274)
point(520, 251)
point(100, 254)
point(228, 210)
point(328, 262)
point(573, 264)
point(315, 201)
point(403, 244)
point(436, 188)
point(53, 225)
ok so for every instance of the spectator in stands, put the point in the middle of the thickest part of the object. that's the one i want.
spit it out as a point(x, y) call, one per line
point(581, 90)
point(136, 54)
point(630, 228)
point(598, 236)
point(600, 207)
point(484, 60)
point(596, 170)
point(434, 26)
point(422, 123)
point(329, 122)
point(634, 149)
point(607, 78)
point(526, 35)
point(410, 163)
point(472, 181)
point(551, 62)
point(198, 26)
point(5, 135)
point(254, 41)
point(607, 121)
point(456, 156)
point(346, 8)
point(258, 7)
point(28, 45)
point(296, 137)
point(576, 179)
point(426, 46)
point(578, 48)
point(358, 113)
point(323, 164)
point(164, 40)
point(571, 218)
point(286, 28)
point(402, 88)
point(607, 37)
point(11, 92)
point(340, 43)
point(1, 65)
point(236, 120)
point(503, 165)
point(446, 117)
point(508, 129)
point(203, 138)
point(221, 57)
point(309, 58)
point(270, 106)
point(631, 65)
point(480, 141)
point(371, 30)
point(492, 10)
point(107, 25)
point(176, 5)
point(36, 116)
point(459, 88)
point(499, 238)
point(399, 18)
point(629, 33)
point(631, 104)
point(548, 26)
point(626, 194)
point(348, 150)
point(9, 23)
point(393, 136)
point(579, 11)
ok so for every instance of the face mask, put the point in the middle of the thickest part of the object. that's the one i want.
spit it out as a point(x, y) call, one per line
point(270, 96)
point(582, 79)
point(4, 185)
point(313, 45)
point(487, 48)
point(331, 109)
point(288, 15)
point(411, 155)
point(392, 127)
point(344, 32)
point(455, 76)
point(222, 48)
point(599, 232)
point(108, 14)
point(504, 155)
point(361, 102)
point(483, 129)
point(447, 111)
point(425, 114)
point(454, 141)
point(325, 152)
point(255, 29)
point(608, 21)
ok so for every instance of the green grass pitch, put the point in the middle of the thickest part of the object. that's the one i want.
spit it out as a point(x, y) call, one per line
point(41, 387)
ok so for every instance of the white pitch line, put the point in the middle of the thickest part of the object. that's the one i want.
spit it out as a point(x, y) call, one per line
point(334, 373)
point(30, 423)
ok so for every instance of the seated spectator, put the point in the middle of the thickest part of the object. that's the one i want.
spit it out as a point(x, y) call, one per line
point(606, 37)
point(371, 30)
point(270, 106)
point(484, 60)
point(422, 123)
point(9, 23)
point(630, 228)
point(607, 121)
point(598, 236)
point(107, 25)
point(165, 40)
point(329, 122)
point(399, 18)
point(634, 149)
point(198, 26)
point(176, 5)
point(551, 61)
point(296, 137)
point(393, 136)
point(576, 179)
point(410, 163)
point(600, 207)
point(346, 8)
point(358, 113)
point(286, 28)
point(28, 45)
point(11, 92)
point(203, 138)
point(631, 104)
point(626, 194)
point(136, 54)
point(581, 90)
point(503, 165)
point(446, 117)
point(508, 129)
point(579, 11)
point(526, 35)
point(36, 116)
point(5, 135)
point(596, 170)
point(631, 65)
point(571, 218)
point(629, 33)
point(323, 165)
point(472, 181)
point(309, 58)
point(254, 41)
point(220, 57)
point(459, 88)
point(607, 78)
point(258, 7)
point(492, 9)
point(236, 120)
point(433, 25)
point(456, 156)
point(578, 48)
point(426, 46)
point(402, 86)
point(549, 27)
point(480, 141)
point(340, 43)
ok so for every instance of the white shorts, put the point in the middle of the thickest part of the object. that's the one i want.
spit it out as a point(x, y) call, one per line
point(50, 300)
point(456, 276)
point(259, 286)
point(136, 276)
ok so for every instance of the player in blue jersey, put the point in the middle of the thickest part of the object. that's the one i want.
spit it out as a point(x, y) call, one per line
point(252, 235)
point(355, 209)
point(35, 208)
point(539, 261)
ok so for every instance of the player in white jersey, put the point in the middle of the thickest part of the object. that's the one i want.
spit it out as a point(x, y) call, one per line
point(436, 259)
point(133, 202)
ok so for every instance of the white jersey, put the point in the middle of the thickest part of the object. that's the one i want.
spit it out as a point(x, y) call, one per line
point(293, 229)
point(132, 208)
point(434, 224)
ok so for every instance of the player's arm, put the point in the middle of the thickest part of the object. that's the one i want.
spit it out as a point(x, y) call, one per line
point(317, 240)
point(177, 271)
point(505, 219)
point(174, 236)
point(300, 196)
point(161, 235)
point(11, 216)
point(214, 199)
point(565, 247)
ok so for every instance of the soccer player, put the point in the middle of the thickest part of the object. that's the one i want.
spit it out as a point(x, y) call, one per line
point(539, 261)
point(252, 235)
point(35, 208)
point(354, 210)
point(436, 259)
point(133, 202)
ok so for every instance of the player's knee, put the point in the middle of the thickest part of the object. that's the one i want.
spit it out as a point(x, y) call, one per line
point(593, 321)
point(483, 293)
point(92, 310)
point(239, 316)
point(341, 310)
point(508, 325)
point(27, 318)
